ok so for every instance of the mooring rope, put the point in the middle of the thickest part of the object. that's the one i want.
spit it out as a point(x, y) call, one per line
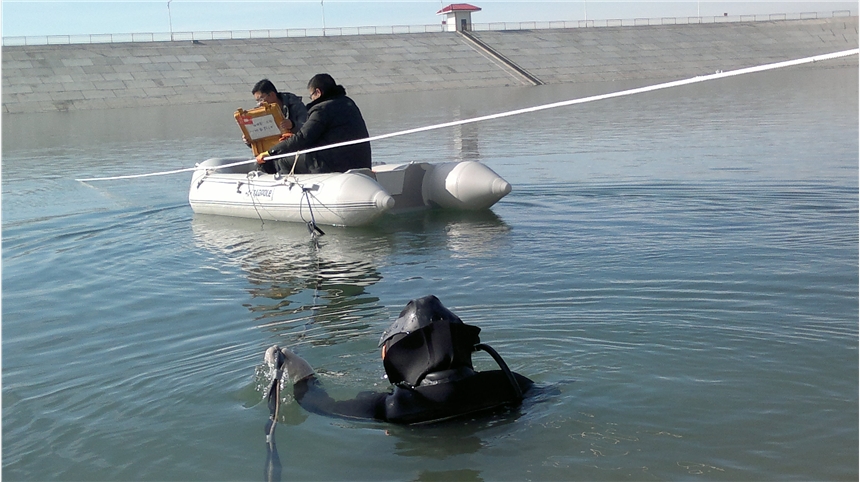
point(583, 100)
point(251, 193)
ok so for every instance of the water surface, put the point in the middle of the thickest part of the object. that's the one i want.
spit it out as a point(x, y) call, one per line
point(678, 270)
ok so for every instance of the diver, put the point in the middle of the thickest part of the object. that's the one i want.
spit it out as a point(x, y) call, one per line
point(427, 355)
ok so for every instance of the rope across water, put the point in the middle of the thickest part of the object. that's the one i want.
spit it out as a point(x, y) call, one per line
point(594, 98)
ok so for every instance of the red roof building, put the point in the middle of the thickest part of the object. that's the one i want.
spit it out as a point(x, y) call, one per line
point(459, 7)
point(458, 16)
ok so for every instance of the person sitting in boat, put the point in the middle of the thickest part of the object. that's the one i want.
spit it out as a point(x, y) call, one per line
point(427, 355)
point(332, 118)
point(294, 110)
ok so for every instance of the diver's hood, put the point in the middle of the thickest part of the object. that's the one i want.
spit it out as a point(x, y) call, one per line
point(426, 338)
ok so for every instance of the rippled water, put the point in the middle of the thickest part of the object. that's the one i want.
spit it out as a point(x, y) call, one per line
point(677, 270)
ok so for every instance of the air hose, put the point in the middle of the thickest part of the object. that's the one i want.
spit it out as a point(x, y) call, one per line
point(504, 366)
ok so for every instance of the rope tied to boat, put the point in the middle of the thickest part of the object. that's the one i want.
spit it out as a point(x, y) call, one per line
point(677, 83)
point(251, 176)
point(295, 161)
point(313, 229)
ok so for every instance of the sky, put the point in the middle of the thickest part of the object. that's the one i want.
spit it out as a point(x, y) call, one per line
point(45, 18)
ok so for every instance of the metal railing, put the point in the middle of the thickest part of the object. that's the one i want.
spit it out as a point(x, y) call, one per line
point(399, 29)
point(638, 22)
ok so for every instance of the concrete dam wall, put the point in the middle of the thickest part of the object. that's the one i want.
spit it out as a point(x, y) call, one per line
point(51, 78)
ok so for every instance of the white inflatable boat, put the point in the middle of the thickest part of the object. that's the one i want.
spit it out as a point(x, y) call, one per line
point(353, 198)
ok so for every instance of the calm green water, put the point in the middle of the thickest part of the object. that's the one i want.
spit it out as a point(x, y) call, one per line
point(678, 270)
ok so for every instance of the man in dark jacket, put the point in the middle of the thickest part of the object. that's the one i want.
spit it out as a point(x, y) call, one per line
point(295, 112)
point(332, 118)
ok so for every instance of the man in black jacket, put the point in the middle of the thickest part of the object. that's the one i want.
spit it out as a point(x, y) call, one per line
point(332, 118)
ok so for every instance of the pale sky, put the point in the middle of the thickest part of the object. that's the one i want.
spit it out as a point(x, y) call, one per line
point(40, 18)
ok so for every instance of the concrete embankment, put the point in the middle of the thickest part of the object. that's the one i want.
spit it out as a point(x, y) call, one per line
point(104, 76)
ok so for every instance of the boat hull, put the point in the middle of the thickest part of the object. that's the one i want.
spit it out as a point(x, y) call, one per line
point(464, 185)
point(338, 199)
point(354, 198)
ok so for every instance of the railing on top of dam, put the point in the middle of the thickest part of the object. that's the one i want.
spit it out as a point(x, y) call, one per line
point(401, 29)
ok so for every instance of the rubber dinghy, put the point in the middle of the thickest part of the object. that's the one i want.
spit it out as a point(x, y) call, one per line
point(354, 198)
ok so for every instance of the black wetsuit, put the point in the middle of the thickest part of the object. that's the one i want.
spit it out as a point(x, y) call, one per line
point(427, 355)
point(475, 392)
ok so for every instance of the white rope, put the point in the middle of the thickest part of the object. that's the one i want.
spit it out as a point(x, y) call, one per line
point(640, 90)
point(165, 173)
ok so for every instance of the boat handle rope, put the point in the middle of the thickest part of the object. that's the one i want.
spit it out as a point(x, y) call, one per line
point(666, 85)
point(293, 169)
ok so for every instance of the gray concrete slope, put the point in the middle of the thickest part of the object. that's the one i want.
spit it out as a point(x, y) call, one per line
point(103, 76)
point(122, 75)
point(658, 52)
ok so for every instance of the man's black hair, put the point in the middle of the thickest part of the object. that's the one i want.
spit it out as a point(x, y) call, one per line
point(264, 86)
point(324, 82)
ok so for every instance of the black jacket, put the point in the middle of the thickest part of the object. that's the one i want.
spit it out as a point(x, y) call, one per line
point(294, 110)
point(332, 118)
point(475, 392)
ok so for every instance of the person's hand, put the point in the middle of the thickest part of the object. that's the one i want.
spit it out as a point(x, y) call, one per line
point(286, 125)
point(285, 362)
point(261, 157)
point(245, 140)
point(282, 362)
point(284, 136)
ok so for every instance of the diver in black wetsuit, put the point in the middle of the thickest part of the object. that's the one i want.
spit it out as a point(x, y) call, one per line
point(427, 354)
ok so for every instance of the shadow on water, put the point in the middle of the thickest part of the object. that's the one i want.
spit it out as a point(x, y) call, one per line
point(442, 441)
point(438, 441)
point(446, 439)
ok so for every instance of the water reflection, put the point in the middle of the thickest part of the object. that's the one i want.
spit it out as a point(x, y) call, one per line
point(317, 292)
point(307, 290)
point(466, 136)
point(463, 234)
point(446, 439)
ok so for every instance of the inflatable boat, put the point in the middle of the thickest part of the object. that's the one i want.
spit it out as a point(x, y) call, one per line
point(230, 187)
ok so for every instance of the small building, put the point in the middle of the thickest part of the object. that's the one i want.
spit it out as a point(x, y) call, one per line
point(458, 16)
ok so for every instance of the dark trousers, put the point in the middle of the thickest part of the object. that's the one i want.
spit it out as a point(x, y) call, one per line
point(285, 165)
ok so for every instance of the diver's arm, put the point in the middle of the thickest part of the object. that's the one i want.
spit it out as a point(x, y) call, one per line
point(311, 395)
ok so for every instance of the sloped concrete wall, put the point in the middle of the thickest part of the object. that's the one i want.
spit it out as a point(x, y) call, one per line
point(625, 53)
point(105, 76)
